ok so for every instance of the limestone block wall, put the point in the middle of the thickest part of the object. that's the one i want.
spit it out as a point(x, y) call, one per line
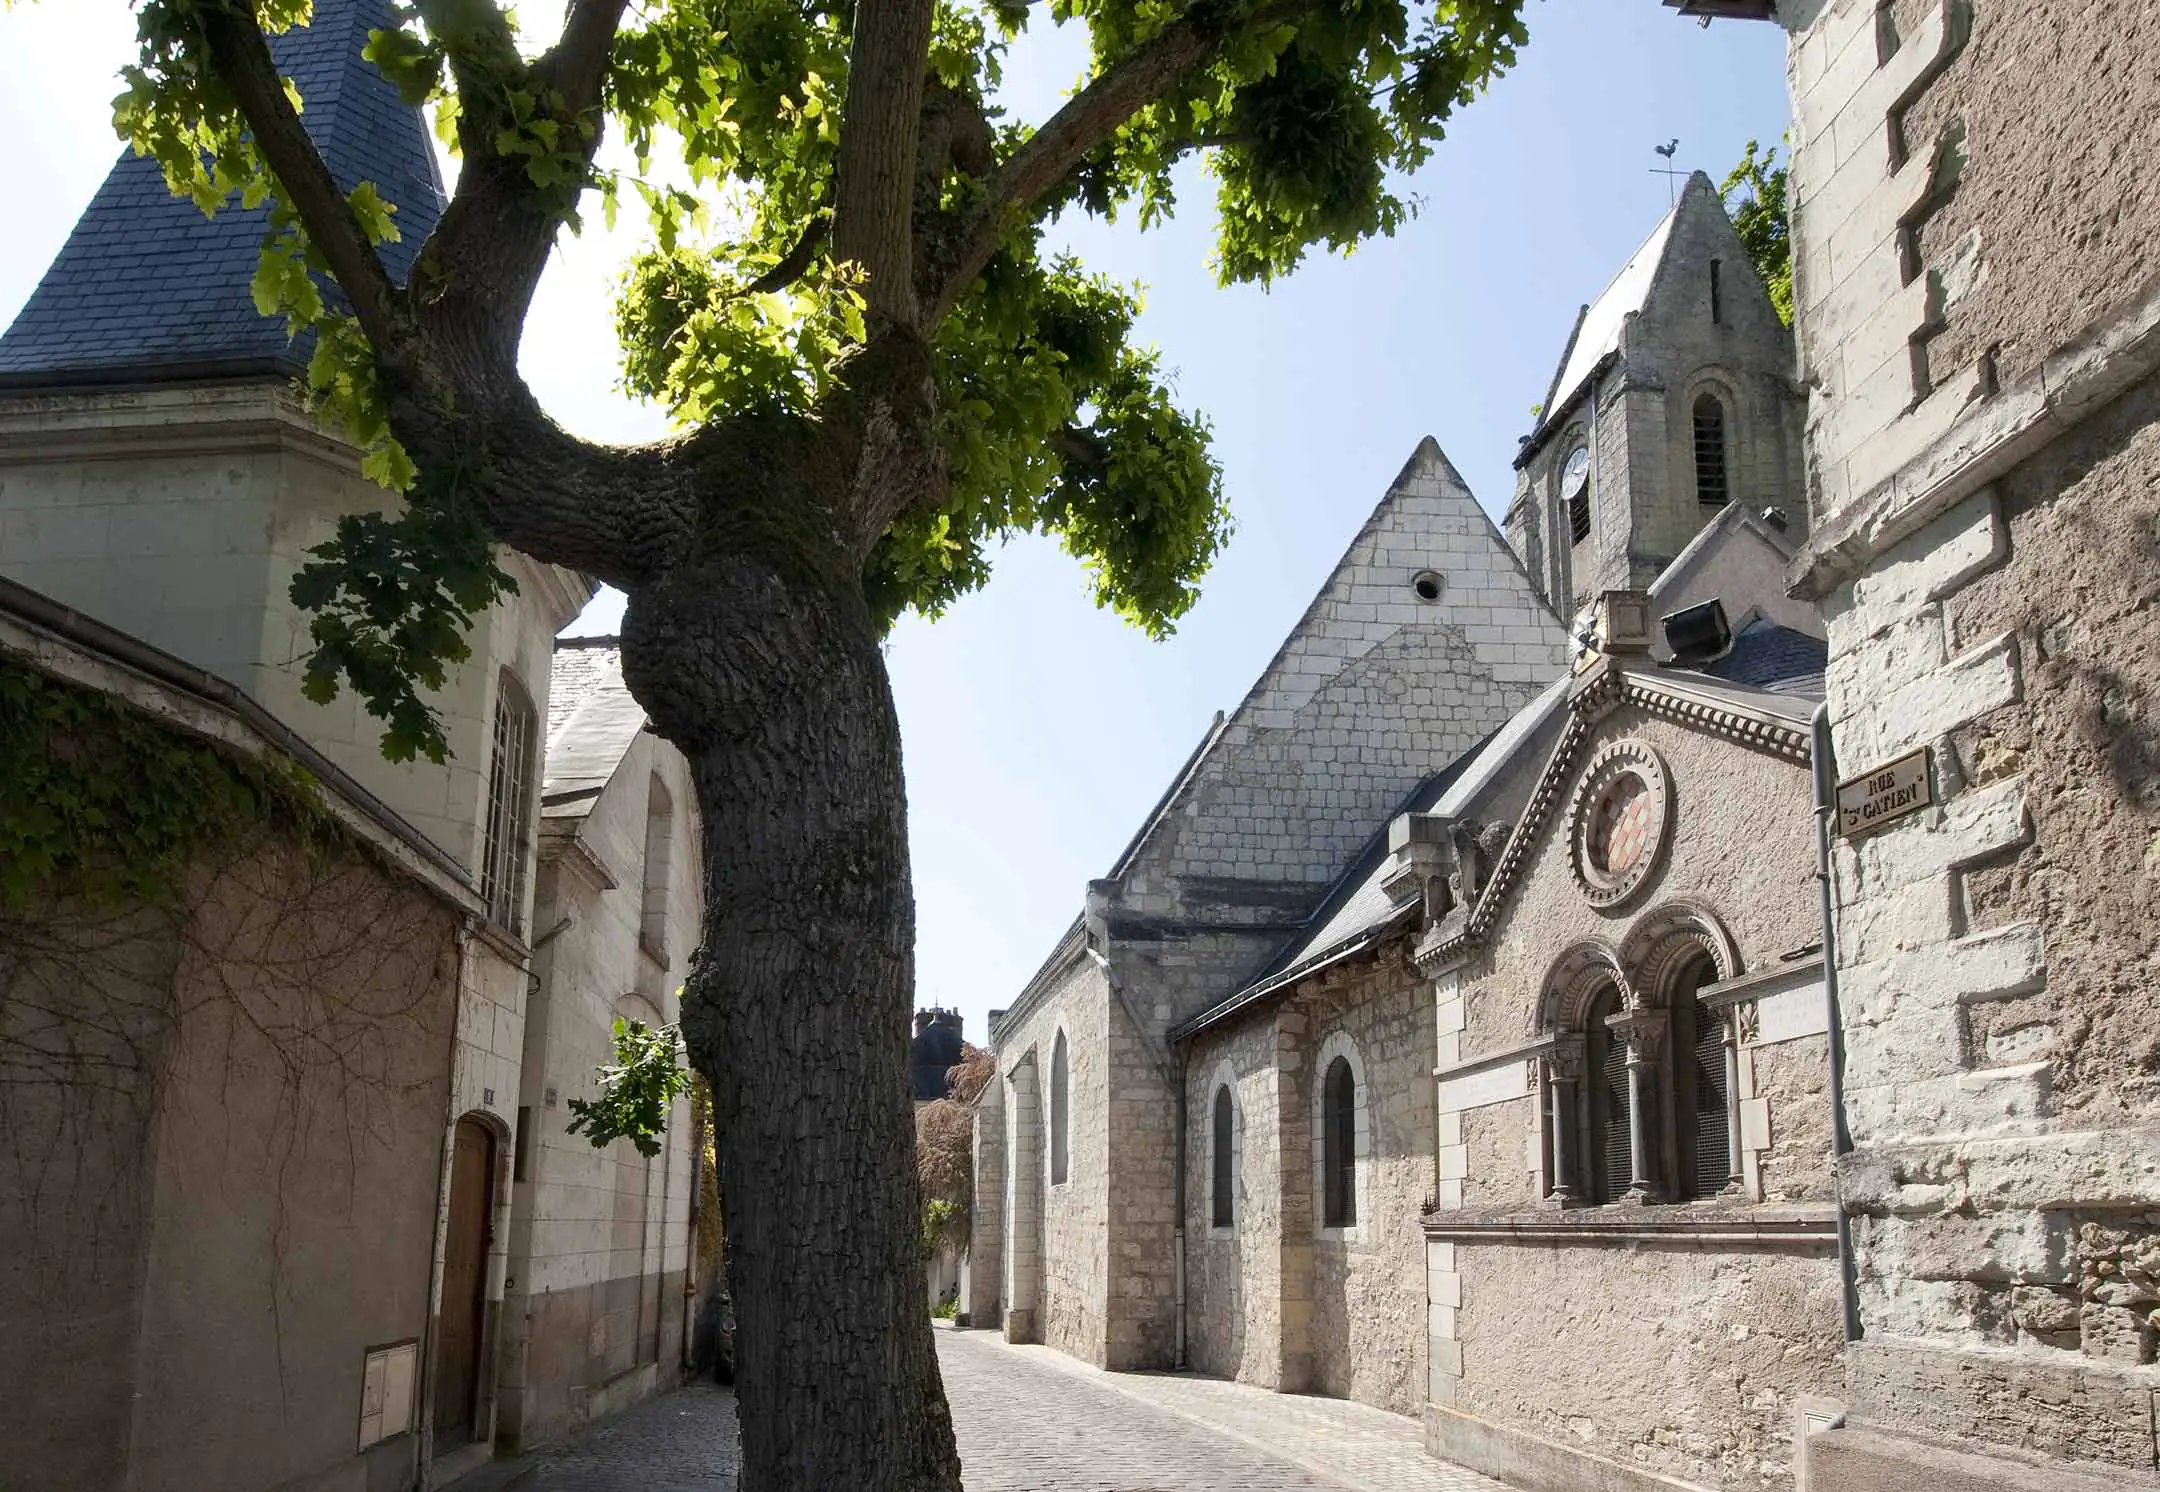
point(1140, 1188)
point(1234, 1290)
point(1367, 1338)
point(1677, 1360)
point(1058, 1233)
point(1279, 1299)
point(1972, 246)
point(982, 1281)
point(1378, 686)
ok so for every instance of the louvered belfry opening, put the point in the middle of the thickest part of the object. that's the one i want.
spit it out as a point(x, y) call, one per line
point(1578, 514)
point(1224, 1118)
point(1609, 1153)
point(1338, 1150)
point(509, 812)
point(1711, 487)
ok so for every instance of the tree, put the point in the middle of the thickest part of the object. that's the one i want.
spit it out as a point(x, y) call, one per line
point(1761, 219)
point(877, 375)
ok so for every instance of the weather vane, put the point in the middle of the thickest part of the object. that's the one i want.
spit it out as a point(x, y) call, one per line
point(1669, 171)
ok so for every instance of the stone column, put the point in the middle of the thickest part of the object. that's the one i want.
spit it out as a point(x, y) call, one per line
point(1023, 1210)
point(1735, 1181)
point(1643, 1031)
point(1563, 1071)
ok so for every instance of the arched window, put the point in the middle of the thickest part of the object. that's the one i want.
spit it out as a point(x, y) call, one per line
point(1338, 1145)
point(1703, 1085)
point(1060, 1114)
point(509, 806)
point(1224, 1211)
point(1610, 1160)
point(659, 851)
point(1711, 489)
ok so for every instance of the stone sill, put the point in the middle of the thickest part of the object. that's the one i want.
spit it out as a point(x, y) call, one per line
point(1772, 1224)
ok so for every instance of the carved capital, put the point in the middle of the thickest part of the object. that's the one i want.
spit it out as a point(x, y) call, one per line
point(1746, 1021)
point(1642, 1030)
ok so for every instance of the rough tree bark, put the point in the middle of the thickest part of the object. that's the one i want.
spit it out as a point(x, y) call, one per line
point(767, 673)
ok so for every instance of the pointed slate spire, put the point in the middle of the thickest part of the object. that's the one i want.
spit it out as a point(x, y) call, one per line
point(148, 289)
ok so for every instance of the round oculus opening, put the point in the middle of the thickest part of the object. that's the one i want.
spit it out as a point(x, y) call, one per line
point(1428, 585)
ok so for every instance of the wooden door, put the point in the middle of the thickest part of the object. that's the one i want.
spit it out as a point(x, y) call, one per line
point(457, 1354)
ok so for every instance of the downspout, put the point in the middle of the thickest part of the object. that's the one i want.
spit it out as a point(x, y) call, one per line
point(1841, 1144)
point(1177, 1237)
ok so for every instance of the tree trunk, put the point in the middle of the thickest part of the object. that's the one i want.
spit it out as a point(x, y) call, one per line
point(768, 674)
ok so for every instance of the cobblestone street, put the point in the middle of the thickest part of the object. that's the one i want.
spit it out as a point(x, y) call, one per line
point(1031, 1420)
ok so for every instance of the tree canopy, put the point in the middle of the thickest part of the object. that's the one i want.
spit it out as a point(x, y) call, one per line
point(1762, 219)
point(770, 271)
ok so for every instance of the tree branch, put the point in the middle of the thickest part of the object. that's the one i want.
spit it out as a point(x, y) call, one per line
point(880, 137)
point(577, 64)
point(795, 260)
point(1087, 120)
point(476, 35)
point(240, 56)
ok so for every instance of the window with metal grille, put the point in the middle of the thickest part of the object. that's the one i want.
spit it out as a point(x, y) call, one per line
point(1711, 489)
point(1610, 1156)
point(1225, 1117)
point(509, 807)
point(1060, 1116)
point(1702, 1086)
point(1338, 1145)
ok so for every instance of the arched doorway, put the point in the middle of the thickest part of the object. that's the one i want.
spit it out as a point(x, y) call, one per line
point(464, 1287)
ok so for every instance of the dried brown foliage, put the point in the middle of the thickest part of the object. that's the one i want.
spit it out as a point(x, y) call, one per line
point(967, 1078)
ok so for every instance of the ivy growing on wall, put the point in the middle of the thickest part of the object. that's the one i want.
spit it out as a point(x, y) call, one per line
point(103, 802)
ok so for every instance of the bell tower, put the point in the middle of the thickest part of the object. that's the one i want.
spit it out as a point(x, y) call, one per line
point(1675, 398)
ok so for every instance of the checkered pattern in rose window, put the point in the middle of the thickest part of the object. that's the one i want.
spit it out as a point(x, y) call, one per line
point(1620, 829)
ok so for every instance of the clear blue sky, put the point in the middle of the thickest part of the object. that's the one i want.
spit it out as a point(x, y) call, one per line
point(1037, 729)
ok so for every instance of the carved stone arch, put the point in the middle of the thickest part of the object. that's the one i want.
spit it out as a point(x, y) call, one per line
point(638, 1007)
point(1666, 937)
point(1575, 980)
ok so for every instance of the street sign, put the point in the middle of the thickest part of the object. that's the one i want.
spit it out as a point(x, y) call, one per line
point(1868, 802)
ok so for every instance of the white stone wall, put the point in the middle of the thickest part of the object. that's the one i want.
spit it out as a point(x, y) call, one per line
point(600, 1243)
point(181, 515)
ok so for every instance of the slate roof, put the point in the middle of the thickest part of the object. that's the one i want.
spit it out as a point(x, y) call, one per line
point(592, 721)
point(148, 288)
point(1767, 656)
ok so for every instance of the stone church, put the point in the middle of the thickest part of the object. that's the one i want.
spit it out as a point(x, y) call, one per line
point(289, 1197)
point(1454, 1025)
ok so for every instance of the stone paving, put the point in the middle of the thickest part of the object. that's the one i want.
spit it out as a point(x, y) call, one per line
point(1032, 1420)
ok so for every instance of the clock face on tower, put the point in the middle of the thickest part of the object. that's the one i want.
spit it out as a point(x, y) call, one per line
point(1576, 471)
